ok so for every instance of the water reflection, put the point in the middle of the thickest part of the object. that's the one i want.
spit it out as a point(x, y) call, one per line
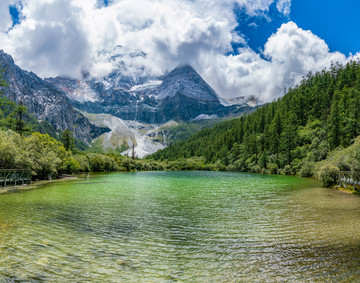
point(187, 226)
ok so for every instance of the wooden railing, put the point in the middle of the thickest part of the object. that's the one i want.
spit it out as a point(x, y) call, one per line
point(349, 179)
point(14, 176)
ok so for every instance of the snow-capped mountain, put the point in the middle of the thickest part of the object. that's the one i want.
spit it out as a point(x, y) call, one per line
point(186, 81)
point(131, 110)
point(180, 95)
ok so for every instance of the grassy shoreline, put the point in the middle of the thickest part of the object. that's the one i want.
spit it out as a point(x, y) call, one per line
point(35, 184)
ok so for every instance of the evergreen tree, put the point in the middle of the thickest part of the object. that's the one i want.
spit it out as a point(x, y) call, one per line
point(334, 122)
point(20, 124)
point(276, 129)
point(289, 136)
point(354, 113)
point(67, 139)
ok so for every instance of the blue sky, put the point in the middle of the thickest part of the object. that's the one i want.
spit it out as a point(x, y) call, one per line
point(336, 22)
point(240, 47)
point(15, 14)
point(257, 29)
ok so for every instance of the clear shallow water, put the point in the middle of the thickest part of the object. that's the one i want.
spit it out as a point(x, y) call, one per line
point(186, 226)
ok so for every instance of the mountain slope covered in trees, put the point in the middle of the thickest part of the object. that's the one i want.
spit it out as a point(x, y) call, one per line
point(289, 135)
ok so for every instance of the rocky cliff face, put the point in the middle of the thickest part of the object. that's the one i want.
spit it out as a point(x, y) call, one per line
point(126, 134)
point(181, 95)
point(45, 101)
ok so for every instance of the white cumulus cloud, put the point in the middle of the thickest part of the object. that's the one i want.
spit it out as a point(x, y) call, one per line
point(150, 37)
point(289, 54)
point(284, 6)
point(50, 40)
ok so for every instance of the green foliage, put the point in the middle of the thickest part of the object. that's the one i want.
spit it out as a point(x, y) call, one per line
point(17, 118)
point(67, 139)
point(311, 131)
point(80, 145)
point(84, 163)
point(327, 173)
point(307, 169)
point(182, 132)
point(287, 136)
point(6, 113)
point(40, 153)
point(46, 157)
point(21, 126)
point(102, 163)
point(71, 165)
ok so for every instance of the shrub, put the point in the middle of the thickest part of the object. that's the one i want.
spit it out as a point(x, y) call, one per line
point(219, 166)
point(44, 155)
point(83, 162)
point(231, 168)
point(8, 152)
point(307, 169)
point(287, 170)
point(273, 168)
point(101, 163)
point(71, 165)
point(327, 173)
point(255, 169)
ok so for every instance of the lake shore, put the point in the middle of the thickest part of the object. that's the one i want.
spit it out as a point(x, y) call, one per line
point(348, 191)
point(34, 185)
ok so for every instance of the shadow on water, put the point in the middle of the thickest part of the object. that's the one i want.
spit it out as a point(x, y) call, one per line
point(85, 223)
point(32, 279)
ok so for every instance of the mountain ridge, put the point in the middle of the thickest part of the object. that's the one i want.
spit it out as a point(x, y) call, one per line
point(180, 95)
point(45, 101)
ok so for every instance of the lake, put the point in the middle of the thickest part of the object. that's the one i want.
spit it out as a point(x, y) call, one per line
point(186, 226)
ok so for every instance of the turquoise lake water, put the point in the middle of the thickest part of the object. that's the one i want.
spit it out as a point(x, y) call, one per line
point(180, 226)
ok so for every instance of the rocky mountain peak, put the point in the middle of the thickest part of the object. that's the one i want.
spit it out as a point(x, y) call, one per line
point(6, 57)
point(183, 69)
point(186, 81)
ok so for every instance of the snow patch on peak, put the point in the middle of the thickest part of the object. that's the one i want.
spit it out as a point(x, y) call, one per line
point(83, 93)
point(78, 90)
point(149, 85)
point(107, 84)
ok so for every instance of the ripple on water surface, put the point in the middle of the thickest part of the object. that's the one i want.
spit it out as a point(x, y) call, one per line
point(187, 226)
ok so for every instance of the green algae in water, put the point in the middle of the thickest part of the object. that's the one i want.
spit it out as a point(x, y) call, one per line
point(187, 226)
